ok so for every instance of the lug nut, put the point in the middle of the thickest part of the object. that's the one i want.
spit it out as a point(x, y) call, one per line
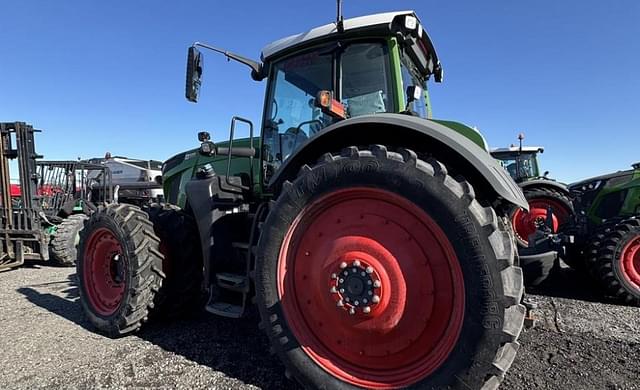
point(369, 282)
point(366, 310)
point(342, 291)
point(370, 292)
point(363, 273)
point(334, 276)
point(356, 263)
point(343, 265)
point(347, 299)
point(365, 301)
point(356, 303)
point(369, 269)
point(377, 284)
point(352, 311)
point(341, 280)
point(333, 290)
point(375, 299)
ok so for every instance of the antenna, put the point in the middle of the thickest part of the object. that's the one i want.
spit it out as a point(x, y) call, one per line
point(339, 17)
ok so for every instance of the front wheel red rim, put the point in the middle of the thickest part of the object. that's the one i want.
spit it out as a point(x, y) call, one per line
point(371, 288)
point(104, 272)
point(630, 262)
point(524, 223)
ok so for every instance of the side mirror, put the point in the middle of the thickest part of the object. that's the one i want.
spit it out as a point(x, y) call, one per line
point(194, 74)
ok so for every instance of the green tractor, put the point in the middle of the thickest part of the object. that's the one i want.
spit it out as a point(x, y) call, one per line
point(607, 231)
point(375, 243)
point(542, 193)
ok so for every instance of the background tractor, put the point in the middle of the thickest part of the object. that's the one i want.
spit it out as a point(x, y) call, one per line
point(542, 193)
point(607, 231)
point(44, 211)
point(374, 242)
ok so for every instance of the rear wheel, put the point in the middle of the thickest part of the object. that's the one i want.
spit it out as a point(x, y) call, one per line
point(540, 200)
point(378, 270)
point(618, 264)
point(181, 290)
point(119, 268)
point(64, 245)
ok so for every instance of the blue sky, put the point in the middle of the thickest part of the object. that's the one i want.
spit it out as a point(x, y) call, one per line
point(109, 76)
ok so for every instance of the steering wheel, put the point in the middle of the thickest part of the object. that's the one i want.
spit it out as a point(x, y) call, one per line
point(298, 130)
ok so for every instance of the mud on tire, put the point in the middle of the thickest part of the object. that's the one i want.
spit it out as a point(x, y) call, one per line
point(119, 268)
point(484, 345)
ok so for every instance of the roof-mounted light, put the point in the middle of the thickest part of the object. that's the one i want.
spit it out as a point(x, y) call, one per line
point(410, 22)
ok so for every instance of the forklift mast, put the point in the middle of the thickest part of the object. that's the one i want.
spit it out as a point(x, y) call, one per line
point(19, 226)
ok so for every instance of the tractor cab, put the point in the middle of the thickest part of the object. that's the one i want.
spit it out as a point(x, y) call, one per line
point(521, 163)
point(362, 66)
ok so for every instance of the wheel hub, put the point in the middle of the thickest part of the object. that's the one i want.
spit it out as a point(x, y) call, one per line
point(356, 287)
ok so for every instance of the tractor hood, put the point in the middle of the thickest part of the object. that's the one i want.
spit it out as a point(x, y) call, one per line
point(601, 179)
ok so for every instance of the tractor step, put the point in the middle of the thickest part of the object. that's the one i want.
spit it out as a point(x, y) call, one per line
point(229, 295)
point(233, 282)
point(225, 309)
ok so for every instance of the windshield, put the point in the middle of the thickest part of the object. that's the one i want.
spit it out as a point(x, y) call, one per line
point(292, 117)
point(528, 166)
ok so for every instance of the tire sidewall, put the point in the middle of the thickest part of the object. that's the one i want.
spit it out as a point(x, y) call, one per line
point(476, 347)
point(616, 265)
point(97, 221)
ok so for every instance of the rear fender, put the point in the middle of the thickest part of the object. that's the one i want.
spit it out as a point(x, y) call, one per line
point(460, 154)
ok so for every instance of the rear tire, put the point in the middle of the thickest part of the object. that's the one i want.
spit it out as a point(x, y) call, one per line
point(181, 290)
point(64, 245)
point(539, 199)
point(618, 264)
point(119, 268)
point(466, 290)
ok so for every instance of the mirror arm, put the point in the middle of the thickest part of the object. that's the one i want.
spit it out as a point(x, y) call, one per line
point(255, 66)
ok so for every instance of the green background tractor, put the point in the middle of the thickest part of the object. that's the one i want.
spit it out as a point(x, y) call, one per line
point(607, 231)
point(541, 192)
point(374, 242)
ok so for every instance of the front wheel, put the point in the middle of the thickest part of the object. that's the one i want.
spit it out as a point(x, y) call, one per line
point(618, 262)
point(540, 200)
point(119, 268)
point(378, 270)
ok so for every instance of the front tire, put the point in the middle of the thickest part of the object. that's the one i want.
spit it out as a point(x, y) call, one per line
point(119, 269)
point(447, 312)
point(64, 245)
point(181, 290)
point(618, 263)
point(540, 199)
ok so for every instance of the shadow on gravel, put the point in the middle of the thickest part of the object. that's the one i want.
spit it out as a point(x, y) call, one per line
point(65, 306)
point(565, 282)
point(234, 347)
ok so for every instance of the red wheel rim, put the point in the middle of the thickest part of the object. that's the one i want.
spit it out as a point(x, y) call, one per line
point(384, 238)
point(524, 223)
point(630, 262)
point(104, 272)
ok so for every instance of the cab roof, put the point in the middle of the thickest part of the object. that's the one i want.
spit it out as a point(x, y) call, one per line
point(515, 149)
point(377, 22)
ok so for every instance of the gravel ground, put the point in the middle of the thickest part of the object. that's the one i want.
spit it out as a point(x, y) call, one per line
point(581, 341)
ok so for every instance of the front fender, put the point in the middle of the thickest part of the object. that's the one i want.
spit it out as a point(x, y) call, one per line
point(545, 183)
point(406, 131)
